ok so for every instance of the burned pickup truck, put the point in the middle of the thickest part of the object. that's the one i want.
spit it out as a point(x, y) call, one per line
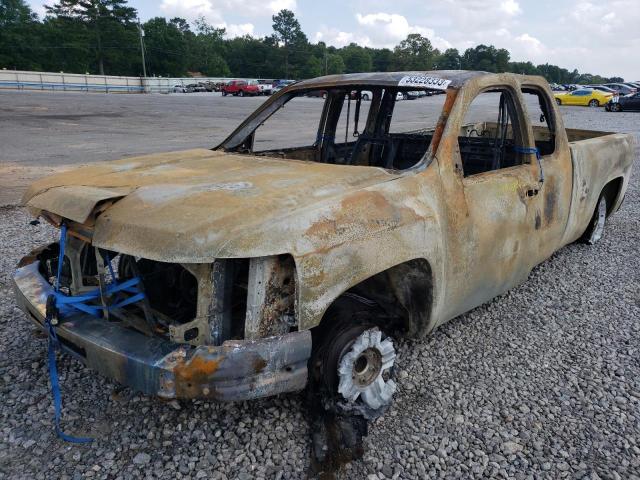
point(242, 272)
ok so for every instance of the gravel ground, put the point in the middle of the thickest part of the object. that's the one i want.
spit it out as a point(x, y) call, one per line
point(543, 382)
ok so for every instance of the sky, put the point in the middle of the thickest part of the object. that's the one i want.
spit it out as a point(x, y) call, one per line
point(599, 37)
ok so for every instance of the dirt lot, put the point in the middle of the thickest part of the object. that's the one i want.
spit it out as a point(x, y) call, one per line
point(543, 382)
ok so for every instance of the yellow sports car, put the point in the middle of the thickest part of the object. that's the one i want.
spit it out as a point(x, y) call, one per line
point(586, 97)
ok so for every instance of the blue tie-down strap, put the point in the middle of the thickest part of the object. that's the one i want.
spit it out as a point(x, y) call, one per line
point(55, 386)
point(532, 151)
point(60, 305)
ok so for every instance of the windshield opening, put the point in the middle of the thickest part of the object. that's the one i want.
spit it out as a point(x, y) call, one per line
point(372, 126)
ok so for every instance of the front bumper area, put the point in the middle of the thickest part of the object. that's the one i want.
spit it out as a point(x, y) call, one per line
point(236, 370)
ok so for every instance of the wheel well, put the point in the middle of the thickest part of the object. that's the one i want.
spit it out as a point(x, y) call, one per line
point(404, 294)
point(611, 191)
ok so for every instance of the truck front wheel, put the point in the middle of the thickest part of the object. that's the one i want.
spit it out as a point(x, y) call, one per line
point(352, 361)
point(594, 231)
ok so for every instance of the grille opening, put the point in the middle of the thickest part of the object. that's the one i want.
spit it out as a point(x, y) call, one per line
point(240, 269)
point(172, 291)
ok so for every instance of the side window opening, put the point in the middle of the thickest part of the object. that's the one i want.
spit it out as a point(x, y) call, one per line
point(280, 136)
point(542, 119)
point(490, 133)
point(351, 125)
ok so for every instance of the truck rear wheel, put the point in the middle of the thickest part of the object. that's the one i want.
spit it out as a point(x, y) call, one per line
point(594, 231)
point(352, 361)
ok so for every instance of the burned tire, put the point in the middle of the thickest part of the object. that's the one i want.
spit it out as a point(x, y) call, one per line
point(594, 231)
point(594, 103)
point(351, 366)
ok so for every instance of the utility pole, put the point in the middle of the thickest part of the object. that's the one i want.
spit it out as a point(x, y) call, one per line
point(141, 34)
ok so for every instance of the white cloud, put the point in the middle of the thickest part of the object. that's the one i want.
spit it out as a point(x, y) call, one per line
point(388, 29)
point(191, 9)
point(338, 38)
point(277, 5)
point(237, 30)
point(510, 7)
point(215, 11)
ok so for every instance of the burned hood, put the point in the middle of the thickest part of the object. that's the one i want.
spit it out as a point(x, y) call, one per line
point(197, 205)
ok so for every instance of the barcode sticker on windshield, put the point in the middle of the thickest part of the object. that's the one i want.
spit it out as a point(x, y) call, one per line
point(424, 82)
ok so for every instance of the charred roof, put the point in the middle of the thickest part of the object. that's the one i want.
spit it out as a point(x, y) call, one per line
point(433, 79)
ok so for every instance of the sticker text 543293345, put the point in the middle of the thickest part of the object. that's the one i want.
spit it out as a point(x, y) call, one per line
point(424, 82)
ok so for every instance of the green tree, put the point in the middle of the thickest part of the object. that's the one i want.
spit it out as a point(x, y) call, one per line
point(524, 68)
point(415, 53)
point(19, 30)
point(486, 58)
point(110, 21)
point(382, 59)
point(207, 49)
point(356, 58)
point(313, 68)
point(166, 47)
point(335, 64)
point(449, 60)
point(287, 31)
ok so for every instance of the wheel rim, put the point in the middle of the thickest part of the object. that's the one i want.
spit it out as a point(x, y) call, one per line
point(593, 103)
point(598, 222)
point(363, 371)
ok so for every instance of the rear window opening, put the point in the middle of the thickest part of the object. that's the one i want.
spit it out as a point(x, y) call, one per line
point(490, 137)
point(390, 128)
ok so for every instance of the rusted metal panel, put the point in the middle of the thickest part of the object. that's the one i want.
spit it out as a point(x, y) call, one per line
point(596, 161)
point(270, 297)
point(77, 201)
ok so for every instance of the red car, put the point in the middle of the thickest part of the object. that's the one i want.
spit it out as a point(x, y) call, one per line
point(240, 88)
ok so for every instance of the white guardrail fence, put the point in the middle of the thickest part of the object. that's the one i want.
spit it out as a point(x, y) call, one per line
point(23, 80)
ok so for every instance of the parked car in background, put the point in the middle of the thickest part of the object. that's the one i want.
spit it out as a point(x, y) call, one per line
point(240, 88)
point(586, 97)
point(631, 85)
point(182, 89)
point(196, 87)
point(280, 84)
point(208, 85)
point(621, 88)
point(626, 103)
point(266, 87)
point(602, 88)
